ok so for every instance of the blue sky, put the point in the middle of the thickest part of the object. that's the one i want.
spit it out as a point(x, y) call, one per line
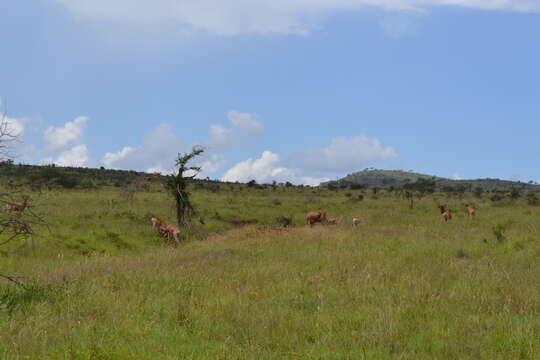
point(296, 90)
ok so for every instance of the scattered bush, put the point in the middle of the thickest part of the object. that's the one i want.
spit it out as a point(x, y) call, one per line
point(515, 194)
point(499, 230)
point(533, 199)
point(284, 221)
point(276, 202)
point(461, 254)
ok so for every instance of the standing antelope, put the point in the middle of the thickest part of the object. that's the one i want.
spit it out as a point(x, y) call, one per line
point(20, 206)
point(332, 221)
point(173, 233)
point(355, 221)
point(157, 222)
point(471, 211)
point(446, 213)
point(160, 226)
point(314, 217)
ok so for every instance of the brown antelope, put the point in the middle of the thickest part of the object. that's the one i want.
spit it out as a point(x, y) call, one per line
point(332, 221)
point(315, 217)
point(471, 211)
point(173, 233)
point(446, 213)
point(20, 206)
point(355, 221)
point(158, 224)
point(164, 229)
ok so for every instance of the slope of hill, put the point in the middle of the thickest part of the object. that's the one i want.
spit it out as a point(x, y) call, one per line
point(101, 284)
point(398, 179)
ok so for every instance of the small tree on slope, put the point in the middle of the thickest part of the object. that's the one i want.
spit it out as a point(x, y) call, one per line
point(177, 185)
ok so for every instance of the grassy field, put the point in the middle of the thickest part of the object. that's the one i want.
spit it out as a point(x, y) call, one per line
point(403, 285)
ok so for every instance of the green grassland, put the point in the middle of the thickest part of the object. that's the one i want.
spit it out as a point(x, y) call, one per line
point(100, 284)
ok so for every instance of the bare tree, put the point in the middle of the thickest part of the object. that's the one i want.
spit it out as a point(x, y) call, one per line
point(177, 185)
point(17, 220)
point(8, 135)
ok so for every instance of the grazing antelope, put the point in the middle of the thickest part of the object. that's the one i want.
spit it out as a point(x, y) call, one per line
point(332, 221)
point(163, 229)
point(471, 211)
point(446, 213)
point(314, 217)
point(156, 222)
point(20, 206)
point(355, 221)
point(173, 233)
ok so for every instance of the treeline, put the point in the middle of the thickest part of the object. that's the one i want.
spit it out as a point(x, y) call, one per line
point(71, 177)
point(51, 176)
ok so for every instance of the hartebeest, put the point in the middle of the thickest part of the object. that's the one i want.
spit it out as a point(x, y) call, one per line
point(19, 206)
point(446, 213)
point(159, 225)
point(157, 222)
point(315, 217)
point(471, 211)
point(173, 233)
point(332, 221)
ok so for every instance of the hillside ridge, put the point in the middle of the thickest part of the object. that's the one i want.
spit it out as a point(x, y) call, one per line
point(371, 178)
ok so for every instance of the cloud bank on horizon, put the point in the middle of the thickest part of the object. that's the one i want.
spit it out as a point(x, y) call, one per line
point(236, 17)
point(66, 147)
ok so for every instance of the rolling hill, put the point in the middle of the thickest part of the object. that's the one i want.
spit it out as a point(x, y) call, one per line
point(371, 178)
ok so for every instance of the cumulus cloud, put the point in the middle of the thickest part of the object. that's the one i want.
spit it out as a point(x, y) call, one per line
point(344, 155)
point(211, 164)
point(234, 17)
point(110, 158)
point(246, 122)
point(155, 154)
point(158, 170)
point(243, 127)
point(77, 156)
point(221, 137)
point(71, 133)
point(11, 126)
point(265, 170)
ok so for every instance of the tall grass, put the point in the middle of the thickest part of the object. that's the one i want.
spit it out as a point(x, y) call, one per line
point(403, 285)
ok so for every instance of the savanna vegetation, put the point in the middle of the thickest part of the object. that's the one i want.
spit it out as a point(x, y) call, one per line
point(251, 281)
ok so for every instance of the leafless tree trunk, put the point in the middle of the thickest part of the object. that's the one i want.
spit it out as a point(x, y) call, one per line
point(8, 135)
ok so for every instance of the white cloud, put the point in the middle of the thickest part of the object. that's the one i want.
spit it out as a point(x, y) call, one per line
point(244, 126)
point(265, 170)
point(71, 133)
point(221, 137)
point(158, 170)
point(246, 122)
point(233, 17)
point(211, 165)
point(344, 155)
point(111, 158)
point(457, 176)
point(11, 126)
point(76, 156)
point(156, 153)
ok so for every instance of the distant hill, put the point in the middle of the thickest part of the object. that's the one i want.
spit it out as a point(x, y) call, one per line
point(371, 178)
point(79, 177)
